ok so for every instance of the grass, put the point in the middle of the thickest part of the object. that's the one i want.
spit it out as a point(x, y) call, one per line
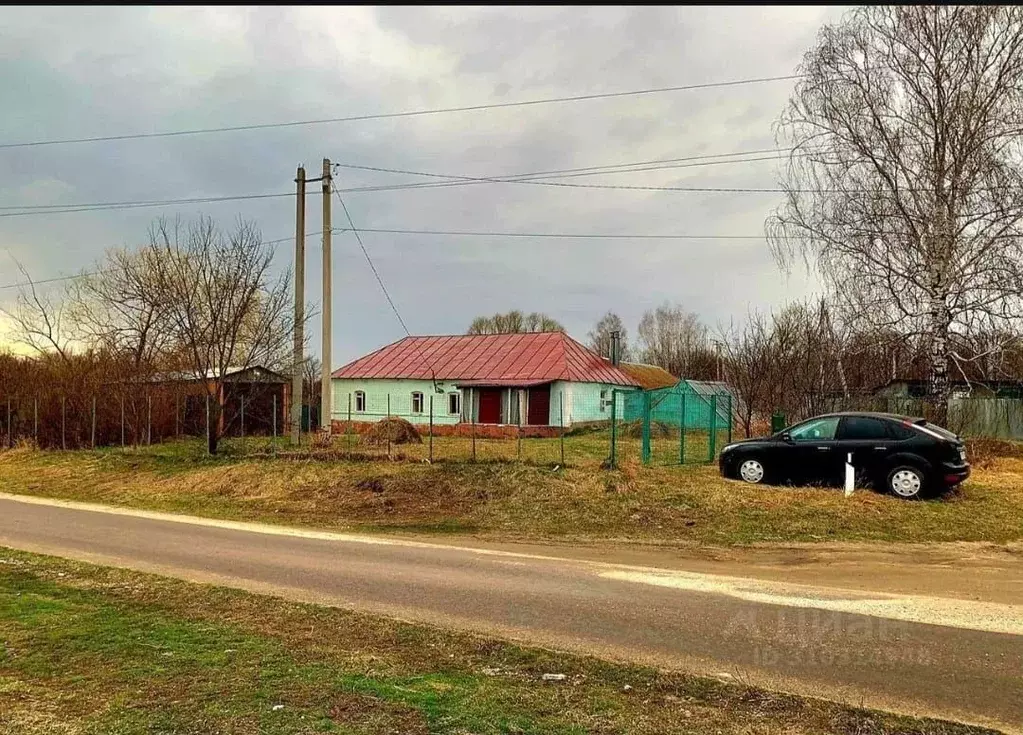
point(510, 500)
point(90, 649)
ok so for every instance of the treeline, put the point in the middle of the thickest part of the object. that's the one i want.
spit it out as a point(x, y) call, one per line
point(803, 359)
point(191, 305)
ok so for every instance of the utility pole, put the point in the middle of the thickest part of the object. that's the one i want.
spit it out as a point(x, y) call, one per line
point(298, 360)
point(325, 362)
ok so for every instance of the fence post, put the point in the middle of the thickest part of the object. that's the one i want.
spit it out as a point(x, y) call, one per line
point(10, 436)
point(647, 410)
point(177, 412)
point(350, 429)
point(63, 422)
point(208, 421)
point(472, 419)
point(149, 420)
point(682, 429)
point(518, 428)
point(712, 440)
point(388, 435)
point(242, 399)
point(729, 418)
point(94, 422)
point(273, 447)
point(431, 428)
point(561, 398)
point(612, 459)
point(35, 420)
point(122, 421)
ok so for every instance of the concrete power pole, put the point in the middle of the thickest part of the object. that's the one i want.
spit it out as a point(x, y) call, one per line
point(298, 357)
point(326, 361)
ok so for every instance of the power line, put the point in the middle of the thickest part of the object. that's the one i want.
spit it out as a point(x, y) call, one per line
point(50, 280)
point(536, 178)
point(86, 274)
point(561, 235)
point(564, 172)
point(405, 113)
point(383, 288)
point(37, 209)
point(369, 260)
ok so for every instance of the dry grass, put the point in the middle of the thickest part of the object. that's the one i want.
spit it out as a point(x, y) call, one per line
point(517, 500)
point(97, 650)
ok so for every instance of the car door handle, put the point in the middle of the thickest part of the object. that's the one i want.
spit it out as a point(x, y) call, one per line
point(880, 449)
point(823, 449)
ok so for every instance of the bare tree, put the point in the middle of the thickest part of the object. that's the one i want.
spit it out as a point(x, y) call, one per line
point(904, 185)
point(749, 364)
point(223, 307)
point(676, 340)
point(119, 306)
point(600, 337)
point(514, 322)
point(39, 320)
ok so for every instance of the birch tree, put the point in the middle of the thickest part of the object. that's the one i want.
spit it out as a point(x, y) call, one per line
point(904, 185)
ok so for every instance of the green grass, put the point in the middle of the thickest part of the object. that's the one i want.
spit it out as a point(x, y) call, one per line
point(513, 500)
point(90, 649)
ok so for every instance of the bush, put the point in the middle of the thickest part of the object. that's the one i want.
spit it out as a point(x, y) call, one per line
point(394, 430)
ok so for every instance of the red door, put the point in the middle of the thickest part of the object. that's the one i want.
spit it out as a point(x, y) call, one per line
point(539, 410)
point(490, 406)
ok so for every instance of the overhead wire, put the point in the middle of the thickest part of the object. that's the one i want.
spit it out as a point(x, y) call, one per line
point(400, 114)
point(380, 282)
point(86, 274)
point(15, 210)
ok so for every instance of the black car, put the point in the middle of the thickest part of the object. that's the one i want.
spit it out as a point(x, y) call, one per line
point(908, 457)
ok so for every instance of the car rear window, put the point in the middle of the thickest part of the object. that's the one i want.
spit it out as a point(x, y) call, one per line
point(900, 431)
point(861, 427)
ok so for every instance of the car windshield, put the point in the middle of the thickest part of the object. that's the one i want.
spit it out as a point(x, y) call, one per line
point(822, 429)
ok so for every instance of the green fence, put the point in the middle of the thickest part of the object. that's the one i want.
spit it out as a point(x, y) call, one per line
point(687, 423)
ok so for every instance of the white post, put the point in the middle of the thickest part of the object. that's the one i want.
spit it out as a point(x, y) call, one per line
point(850, 475)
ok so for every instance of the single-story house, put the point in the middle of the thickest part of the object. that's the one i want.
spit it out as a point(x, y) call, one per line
point(257, 388)
point(534, 380)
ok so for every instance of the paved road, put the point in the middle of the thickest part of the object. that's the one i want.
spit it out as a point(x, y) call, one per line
point(953, 658)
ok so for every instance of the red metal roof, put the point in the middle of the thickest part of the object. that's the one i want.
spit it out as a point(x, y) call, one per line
point(532, 357)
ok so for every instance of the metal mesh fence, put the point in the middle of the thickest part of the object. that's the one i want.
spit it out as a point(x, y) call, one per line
point(678, 425)
point(582, 426)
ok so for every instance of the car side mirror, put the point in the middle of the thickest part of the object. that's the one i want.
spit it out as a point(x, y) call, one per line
point(786, 437)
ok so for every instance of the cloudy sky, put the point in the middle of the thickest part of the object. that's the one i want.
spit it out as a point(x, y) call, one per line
point(72, 73)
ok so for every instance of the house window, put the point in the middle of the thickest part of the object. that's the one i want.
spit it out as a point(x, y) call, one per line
point(454, 404)
point(360, 401)
point(604, 401)
point(417, 402)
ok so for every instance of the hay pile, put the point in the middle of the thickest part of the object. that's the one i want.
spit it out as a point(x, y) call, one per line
point(394, 430)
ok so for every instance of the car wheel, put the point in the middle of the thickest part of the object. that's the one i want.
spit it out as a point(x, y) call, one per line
point(751, 471)
point(907, 482)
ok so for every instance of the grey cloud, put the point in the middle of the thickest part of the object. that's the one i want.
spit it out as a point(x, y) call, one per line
point(71, 72)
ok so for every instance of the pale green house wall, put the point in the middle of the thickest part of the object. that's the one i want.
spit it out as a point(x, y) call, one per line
point(582, 401)
point(400, 391)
